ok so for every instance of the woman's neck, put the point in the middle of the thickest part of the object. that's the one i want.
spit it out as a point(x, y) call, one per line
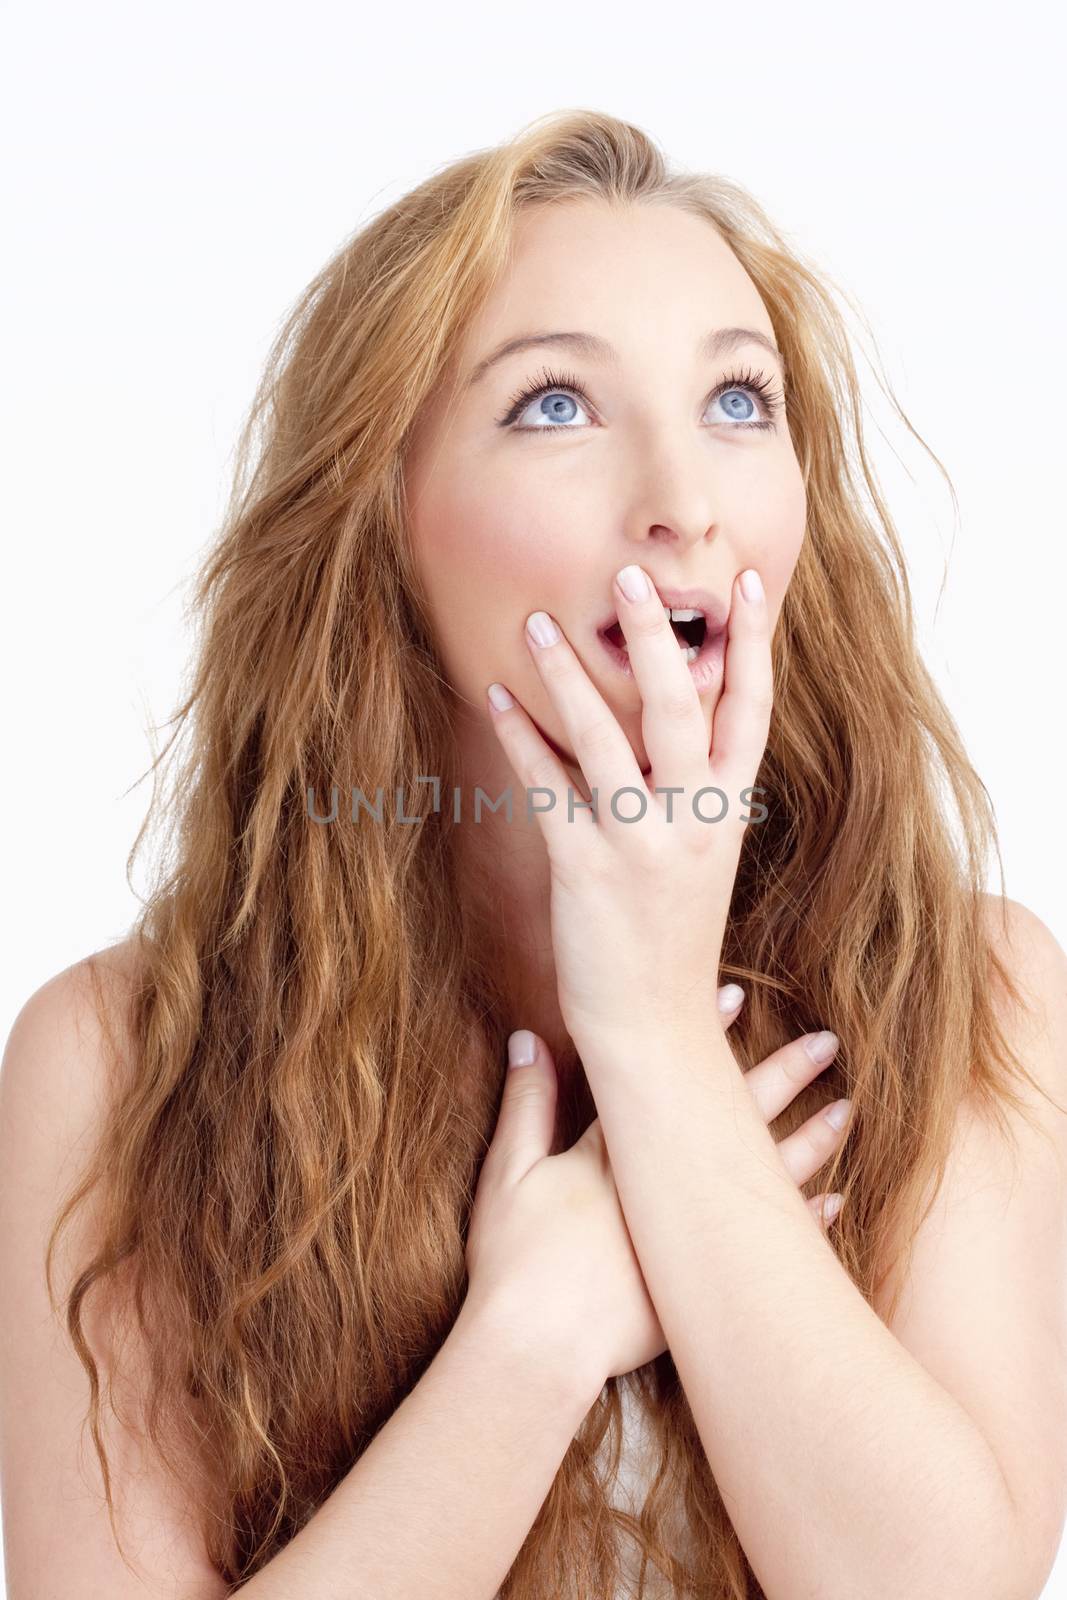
point(504, 877)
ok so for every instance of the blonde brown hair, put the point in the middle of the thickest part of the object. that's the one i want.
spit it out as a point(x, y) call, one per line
point(285, 1180)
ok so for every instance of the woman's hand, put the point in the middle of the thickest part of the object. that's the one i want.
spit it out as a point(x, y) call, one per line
point(548, 1250)
point(640, 891)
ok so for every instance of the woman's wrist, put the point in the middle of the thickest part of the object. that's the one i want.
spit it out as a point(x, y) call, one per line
point(496, 1328)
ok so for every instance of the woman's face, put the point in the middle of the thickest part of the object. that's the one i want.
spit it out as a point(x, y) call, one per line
point(515, 508)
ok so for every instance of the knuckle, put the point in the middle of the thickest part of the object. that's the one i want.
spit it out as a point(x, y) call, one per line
point(556, 665)
point(817, 1143)
point(598, 738)
point(650, 623)
point(542, 772)
point(762, 699)
point(701, 840)
point(649, 853)
point(679, 706)
point(796, 1064)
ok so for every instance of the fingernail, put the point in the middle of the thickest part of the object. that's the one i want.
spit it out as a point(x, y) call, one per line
point(751, 586)
point(521, 1048)
point(500, 697)
point(821, 1046)
point(633, 583)
point(837, 1115)
point(730, 995)
point(831, 1205)
point(541, 628)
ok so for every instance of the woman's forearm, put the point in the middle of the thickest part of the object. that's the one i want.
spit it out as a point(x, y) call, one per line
point(848, 1471)
point(439, 1503)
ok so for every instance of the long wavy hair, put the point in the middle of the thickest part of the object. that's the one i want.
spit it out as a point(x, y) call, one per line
point(284, 1180)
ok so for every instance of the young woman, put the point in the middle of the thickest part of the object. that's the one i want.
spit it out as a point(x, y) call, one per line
point(375, 1305)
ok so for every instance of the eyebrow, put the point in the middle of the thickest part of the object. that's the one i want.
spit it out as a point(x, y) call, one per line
point(719, 342)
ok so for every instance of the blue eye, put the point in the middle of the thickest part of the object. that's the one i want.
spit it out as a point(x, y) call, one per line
point(561, 389)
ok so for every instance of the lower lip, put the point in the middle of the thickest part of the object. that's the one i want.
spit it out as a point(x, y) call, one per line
point(704, 669)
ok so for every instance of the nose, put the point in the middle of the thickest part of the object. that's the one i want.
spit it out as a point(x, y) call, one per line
point(679, 532)
point(684, 501)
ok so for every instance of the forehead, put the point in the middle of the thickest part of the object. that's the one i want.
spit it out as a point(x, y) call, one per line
point(626, 272)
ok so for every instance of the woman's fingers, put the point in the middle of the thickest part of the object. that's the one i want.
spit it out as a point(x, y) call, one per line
point(672, 717)
point(814, 1142)
point(742, 717)
point(826, 1207)
point(776, 1081)
point(731, 998)
point(594, 733)
point(542, 773)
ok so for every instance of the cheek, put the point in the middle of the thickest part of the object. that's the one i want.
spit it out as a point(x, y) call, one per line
point(483, 575)
point(534, 564)
point(776, 532)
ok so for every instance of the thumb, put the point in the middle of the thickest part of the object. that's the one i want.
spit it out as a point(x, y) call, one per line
point(526, 1120)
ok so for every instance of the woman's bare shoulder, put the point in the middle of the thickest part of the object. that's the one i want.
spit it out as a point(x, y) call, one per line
point(69, 1044)
point(111, 971)
point(70, 1047)
point(54, 1087)
point(1028, 946)
point(86, 1001)
point(984, 1299)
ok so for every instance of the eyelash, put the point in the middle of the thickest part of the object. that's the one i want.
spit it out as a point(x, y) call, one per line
point(758, 382)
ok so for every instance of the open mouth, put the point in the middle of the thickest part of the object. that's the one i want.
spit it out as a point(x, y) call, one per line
point(704, 651)
point(690, 629)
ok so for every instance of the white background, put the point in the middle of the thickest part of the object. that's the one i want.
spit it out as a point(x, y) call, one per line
point(174, 176)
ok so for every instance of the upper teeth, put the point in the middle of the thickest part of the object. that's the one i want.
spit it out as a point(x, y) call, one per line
point(678, 615)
